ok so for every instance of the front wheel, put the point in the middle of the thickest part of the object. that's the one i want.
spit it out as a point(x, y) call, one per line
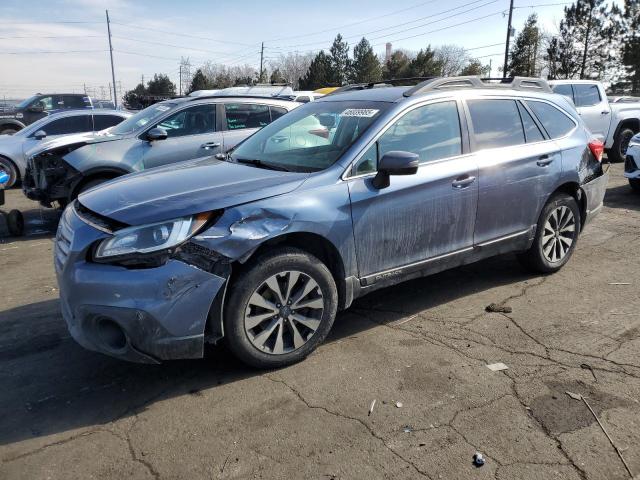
point(556, 235)
point(9, 168)
point(280, 308)
point(635, 184)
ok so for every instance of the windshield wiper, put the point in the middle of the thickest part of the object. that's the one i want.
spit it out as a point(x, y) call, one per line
point(261, 164)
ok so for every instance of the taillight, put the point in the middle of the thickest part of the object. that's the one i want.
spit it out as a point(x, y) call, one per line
point(597, 148)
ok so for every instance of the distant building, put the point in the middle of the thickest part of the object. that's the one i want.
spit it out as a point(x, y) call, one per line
point(387, 53)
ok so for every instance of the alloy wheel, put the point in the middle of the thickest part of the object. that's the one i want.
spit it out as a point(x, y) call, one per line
point(559, 234)
point(284, 312)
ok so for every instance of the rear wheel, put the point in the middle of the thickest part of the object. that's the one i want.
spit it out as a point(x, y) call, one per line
point(635, 184)
point(280, 308)
point(556, 235)
point(8, 130)
point(618, 151)
point(9, 168)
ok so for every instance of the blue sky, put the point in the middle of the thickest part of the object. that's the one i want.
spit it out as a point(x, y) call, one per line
point(229, 32)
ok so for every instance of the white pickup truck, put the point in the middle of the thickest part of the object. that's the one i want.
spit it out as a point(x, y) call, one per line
point(614, 123)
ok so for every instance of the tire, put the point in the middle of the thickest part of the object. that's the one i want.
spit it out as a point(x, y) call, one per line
point(548, 243)
point(9, 130)
point(8, 166)
point(15, 223)
point(635, 184)
point(257, 342)
point(618, 151)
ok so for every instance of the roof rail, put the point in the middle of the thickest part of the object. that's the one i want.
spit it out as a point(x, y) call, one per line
point(204, 97)
point(390, 82)
point(514, 83)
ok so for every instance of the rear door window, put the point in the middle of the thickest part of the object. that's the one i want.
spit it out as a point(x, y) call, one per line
point(496, 123)
point(194, 120)
point(100, 122)
point(66, 125)
point(565, 90)
point(277, 112)
point(74, 101)
point(556, 123)
point(531, 131)
point(586, 95)
point(246, 115)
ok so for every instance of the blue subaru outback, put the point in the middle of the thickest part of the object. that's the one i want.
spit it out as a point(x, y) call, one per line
point(360, 190)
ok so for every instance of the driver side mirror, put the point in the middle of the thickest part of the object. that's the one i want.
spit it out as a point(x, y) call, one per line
point(395, 163)
point(156, 133)
point(40, 134)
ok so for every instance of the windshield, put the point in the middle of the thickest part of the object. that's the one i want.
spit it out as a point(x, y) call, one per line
point(141, 118)
point(26, 102)
point(310, 138)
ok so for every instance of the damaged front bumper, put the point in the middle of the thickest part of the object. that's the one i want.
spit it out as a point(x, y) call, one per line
point(141, 315)
point(49, 178)
point(632, 163)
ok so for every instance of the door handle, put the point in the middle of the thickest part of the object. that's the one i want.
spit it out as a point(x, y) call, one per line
point(544, 160)
point(605, 112)
point(209, 145)
point(463, 182)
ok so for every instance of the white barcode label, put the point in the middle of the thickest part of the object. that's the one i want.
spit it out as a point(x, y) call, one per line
point(359, 112)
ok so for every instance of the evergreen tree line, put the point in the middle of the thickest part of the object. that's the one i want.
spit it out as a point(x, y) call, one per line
point(594, 41)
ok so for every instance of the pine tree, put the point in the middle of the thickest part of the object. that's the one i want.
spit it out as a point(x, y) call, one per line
point(340, 63)
point(199, 82)
point(562, 55)
point(161, 85)
point(426, 64)
point(524, 56)
point(586, 22)
point(366, 66)
point(397, 66)
point(276, 77)
point(631, 44)
point(319, 74)
point(475, 67)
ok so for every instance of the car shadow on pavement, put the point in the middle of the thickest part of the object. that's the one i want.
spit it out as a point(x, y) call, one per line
point(622, 196)
point(52, 385)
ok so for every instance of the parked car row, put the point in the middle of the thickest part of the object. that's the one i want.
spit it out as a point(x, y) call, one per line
point(15, 149)
point(305, 208)
point(16, 117)
point(166, 132)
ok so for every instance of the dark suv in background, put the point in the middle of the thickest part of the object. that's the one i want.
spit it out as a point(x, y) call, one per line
point(15, 118)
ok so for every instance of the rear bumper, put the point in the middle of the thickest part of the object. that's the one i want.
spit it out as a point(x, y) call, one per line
point(594, 191)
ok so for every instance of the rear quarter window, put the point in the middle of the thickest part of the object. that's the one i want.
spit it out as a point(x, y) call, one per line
point(556, 123)
point(586, 95)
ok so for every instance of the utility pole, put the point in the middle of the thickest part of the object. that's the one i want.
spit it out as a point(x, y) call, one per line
point(261, 58)
point(506, 48)
point(113, 74)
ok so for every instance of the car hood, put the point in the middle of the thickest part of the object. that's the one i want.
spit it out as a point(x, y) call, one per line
point(80, 139)
point(186, 188)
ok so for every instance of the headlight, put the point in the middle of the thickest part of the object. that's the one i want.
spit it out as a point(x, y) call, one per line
point(151, 238)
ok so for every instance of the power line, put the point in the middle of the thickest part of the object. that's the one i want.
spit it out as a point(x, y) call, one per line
point(169, 45)
point(44, 22)
point(352, 24)
point(50, 51)
point(441, 29)
point(53, 36)
point(542, 5)
point(405, 23)
point(165, 32)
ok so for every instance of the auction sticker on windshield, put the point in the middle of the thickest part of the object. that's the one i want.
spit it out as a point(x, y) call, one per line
point(359, 112)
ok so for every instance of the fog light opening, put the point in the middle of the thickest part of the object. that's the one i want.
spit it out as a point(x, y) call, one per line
point(111, 334)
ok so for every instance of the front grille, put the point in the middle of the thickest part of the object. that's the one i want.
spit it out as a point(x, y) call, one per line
point(629, 164)
point(64, 237)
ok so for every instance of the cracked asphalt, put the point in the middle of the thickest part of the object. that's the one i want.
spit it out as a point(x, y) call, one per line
point(67, 413)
